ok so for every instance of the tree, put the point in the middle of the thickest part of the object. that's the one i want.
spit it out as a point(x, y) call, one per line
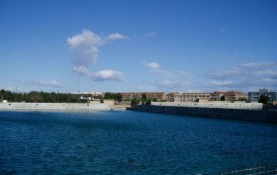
point(108, 95)
point(2, 92)
point(264, 99)
point(6, 95)
point(148, 102)
point(143, 98)
point(134, 102)
point(118, 97)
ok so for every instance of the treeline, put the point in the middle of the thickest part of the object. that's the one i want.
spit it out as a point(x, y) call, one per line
point(52, 97)
point(116, 96)
point(144, 100)
point(46, 97)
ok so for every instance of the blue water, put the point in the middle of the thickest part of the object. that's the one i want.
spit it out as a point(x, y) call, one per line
point(127, 142)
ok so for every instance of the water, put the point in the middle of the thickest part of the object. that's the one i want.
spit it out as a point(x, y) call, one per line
point(127, 142)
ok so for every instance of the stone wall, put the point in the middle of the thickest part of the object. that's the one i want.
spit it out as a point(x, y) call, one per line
point(238, 114)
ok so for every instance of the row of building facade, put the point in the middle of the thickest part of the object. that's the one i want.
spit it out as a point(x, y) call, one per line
point(187, 97)
point(201, 96)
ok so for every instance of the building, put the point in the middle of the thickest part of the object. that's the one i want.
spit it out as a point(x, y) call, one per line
point(159, 96)
point(173, 97)
point(128, 96)
point(228, 96)
point(235, 96)
point(217, 96)
point(255, 96)
point(195, 97)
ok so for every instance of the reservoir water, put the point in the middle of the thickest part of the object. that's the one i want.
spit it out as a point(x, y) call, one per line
point(127, 142)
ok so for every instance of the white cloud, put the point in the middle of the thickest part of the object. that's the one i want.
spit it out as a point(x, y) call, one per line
point(87, 38)
point(154, 68)
point(243, 77)
point(81, 70)
point(105, 75)
point(175, 85)
point(170, 81)
point(165, 83)
point(219, 83)
point(249, 71)
point(116, 36)
point(84, 48)
point(246, 76)
point(52, 83)
point(152, 65)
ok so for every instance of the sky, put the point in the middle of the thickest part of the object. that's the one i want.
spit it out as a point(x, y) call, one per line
point(138, 46)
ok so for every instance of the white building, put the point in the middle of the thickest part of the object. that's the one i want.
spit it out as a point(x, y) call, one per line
point(255, 96)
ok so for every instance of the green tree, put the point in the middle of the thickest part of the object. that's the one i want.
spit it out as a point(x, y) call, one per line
point(264, 99)
point(148, 102)
point(108, 95)
point(36, 96)
point(134, 101)
point(7, 95)
point(118, 97)
point(143, 98)
point(2, 92)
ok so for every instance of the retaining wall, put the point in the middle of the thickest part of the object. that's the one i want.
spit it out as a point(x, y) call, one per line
point(53, 106)
point(237, 114)
point(224, 105)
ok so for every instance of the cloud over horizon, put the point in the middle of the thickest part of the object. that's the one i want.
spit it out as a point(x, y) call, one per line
point(154, 68)
point(243, 77)
point(84, 48)
point(248, 76)
point(170, 81)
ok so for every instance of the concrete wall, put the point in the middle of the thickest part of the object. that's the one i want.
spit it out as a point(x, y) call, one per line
point(224, 105)
point(53, 106)
point(109, 102)
point(238, 114)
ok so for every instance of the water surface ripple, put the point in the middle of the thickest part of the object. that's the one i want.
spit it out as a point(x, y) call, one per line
point(126, 142)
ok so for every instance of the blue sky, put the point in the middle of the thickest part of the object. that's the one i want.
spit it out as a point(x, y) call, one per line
point(134, 45)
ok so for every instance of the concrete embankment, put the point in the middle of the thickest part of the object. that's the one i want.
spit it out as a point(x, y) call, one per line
point(222, 113)
point(221, 105)
point(53, 106)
